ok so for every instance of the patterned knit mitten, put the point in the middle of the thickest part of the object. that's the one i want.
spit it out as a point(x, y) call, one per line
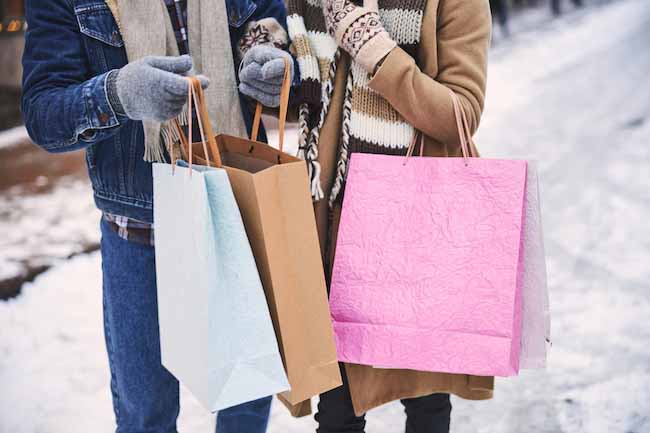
point(359, 31)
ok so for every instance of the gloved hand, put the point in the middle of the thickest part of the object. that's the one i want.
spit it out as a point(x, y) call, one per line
point(359, 31)
point(261, 73)
point(151, 88)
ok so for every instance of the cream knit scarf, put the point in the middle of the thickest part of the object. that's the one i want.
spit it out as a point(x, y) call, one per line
point(146, 29)
point(370, 123)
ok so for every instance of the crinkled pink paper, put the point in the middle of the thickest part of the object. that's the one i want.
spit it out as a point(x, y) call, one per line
point(426, 269)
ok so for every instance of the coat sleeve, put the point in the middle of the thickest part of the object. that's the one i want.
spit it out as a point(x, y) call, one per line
point(64, 108)
point(452, 56)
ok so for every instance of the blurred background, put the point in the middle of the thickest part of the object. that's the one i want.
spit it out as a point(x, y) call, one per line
point(569, 87)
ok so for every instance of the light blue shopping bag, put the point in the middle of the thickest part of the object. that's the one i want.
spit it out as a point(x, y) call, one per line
point(216, 334)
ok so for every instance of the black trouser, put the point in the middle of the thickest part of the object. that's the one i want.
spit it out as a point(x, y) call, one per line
point(499, 10)
point(430, 414)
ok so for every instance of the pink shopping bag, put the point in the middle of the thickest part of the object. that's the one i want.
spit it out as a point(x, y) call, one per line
point(428, 265)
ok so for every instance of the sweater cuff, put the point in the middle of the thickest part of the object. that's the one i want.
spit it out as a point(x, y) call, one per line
point(266, 31)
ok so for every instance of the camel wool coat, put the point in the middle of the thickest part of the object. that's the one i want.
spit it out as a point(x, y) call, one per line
point(452, 55)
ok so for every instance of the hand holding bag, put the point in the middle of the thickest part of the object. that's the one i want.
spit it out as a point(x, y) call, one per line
point(272, 191)
point(216, 334)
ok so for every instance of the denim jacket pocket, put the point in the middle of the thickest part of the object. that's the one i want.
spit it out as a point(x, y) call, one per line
point(101, 37)
point(96, 21)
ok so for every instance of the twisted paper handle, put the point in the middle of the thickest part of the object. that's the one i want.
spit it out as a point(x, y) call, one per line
point(464, 133)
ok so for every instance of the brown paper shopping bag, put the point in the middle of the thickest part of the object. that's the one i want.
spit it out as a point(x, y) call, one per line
point(272, 191)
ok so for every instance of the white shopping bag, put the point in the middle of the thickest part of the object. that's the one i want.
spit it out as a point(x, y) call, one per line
point(535, 323)
point(216, 334)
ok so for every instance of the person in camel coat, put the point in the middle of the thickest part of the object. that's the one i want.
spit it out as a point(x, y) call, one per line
point(370, 77)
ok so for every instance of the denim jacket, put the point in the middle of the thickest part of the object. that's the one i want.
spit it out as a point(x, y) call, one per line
point(70, 46)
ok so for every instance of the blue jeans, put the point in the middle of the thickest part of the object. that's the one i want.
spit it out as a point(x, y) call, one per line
point(145, 394)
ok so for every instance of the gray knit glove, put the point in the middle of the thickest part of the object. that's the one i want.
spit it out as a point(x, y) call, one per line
point(261, 73)
point(151, 88)
point(359, 31)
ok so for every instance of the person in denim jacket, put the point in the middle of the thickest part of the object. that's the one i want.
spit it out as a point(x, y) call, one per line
point(80, 91)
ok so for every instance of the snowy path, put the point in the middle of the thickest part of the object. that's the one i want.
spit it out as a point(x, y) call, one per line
point(578, 102)
point(47, 212)
point(38, 230)
point(574, 96)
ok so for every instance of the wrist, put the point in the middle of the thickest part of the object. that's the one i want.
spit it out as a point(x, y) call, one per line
point(374, 51)
point(378, 65)
point(111, 91)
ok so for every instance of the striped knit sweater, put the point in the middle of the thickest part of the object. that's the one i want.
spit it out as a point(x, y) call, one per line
point(370, 123)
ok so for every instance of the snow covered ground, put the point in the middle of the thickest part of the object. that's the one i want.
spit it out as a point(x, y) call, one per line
point(47, 212)
point(39, 230)
point(574, 95)
point(12, 136)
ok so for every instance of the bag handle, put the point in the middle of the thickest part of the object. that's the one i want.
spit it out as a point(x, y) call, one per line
point(464, 134)
point(284, 107)
point(191, 99)
point(463, 127)
point(196, 98)
point(179, 130)
point(204, 119)
point(411, 149)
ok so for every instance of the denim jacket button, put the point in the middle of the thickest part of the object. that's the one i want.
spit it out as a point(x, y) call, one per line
point(103, 118)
